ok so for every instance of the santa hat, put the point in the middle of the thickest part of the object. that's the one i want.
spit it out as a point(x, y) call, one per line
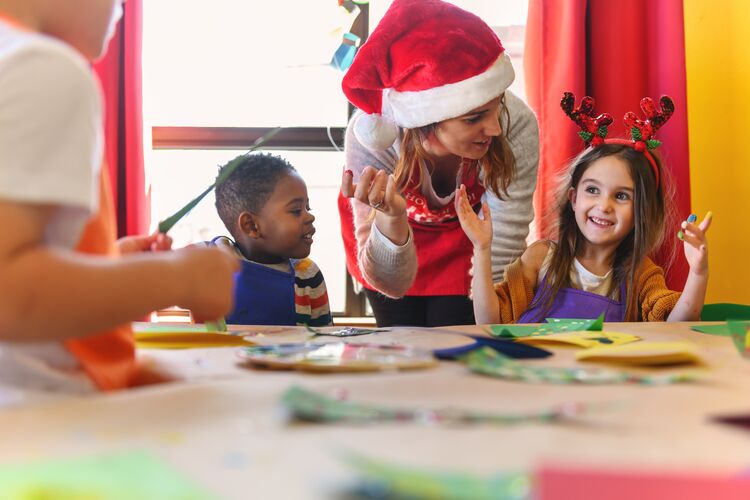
point(425, 62)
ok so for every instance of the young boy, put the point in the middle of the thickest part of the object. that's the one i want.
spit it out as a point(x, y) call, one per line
point(65, 300)
point(265, 208)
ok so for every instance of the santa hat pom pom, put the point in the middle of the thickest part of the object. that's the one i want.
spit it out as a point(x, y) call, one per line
point(375, 132)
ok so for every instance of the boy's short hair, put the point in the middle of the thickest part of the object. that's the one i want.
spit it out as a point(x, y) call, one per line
point(249, 186)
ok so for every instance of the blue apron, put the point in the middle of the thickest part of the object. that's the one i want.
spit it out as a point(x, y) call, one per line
point(574, 303)
point(263, 296)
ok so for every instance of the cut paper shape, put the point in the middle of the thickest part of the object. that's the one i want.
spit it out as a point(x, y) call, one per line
point(505, 346)
point(581, 339)
point(115, 477)
point(488, 362)
point(722, 329)
point(308, 406)
point(643, 353)
point(384, 480)
point(553, 325)
point(741, 421)
point(558, 483)
point(740, 331)
point(347, 331)
point(179, 339)
point(337, 357)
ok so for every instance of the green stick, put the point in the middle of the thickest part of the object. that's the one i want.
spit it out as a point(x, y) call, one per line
point(169, 222)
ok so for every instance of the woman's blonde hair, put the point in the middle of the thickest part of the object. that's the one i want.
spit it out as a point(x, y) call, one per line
point(497, 167)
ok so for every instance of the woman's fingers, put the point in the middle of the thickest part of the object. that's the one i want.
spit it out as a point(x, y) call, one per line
point(347, 183)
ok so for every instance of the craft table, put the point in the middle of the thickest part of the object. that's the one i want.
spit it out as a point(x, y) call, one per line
point(221, 425)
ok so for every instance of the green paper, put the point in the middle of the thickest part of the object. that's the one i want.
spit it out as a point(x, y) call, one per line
point(553, 325)
point(487, 361)
point(170, 221)
point(115, 477)
point(739, 331)
point(383, 480)
point(220, 325)
point(722, 329)
point(308, 406)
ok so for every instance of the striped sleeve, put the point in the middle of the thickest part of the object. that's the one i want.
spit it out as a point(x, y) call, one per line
point(310, 294)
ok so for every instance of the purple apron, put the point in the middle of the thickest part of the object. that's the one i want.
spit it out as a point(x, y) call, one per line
point(574, 303)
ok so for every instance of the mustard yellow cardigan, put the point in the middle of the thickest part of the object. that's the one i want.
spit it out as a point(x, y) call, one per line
point(654, 301)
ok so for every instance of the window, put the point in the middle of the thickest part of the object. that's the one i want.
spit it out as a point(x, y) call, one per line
point(231, 70)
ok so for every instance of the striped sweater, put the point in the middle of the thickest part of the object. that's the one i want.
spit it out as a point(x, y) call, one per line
point(310, 293)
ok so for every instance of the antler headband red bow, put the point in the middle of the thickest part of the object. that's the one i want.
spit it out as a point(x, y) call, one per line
point(594, 130)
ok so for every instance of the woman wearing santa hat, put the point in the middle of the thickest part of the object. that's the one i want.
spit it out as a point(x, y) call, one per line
point(430, 84)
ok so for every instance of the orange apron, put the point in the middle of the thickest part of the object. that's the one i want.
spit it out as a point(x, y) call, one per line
point(107, 357)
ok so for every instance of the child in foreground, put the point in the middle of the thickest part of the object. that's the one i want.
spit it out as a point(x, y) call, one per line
point(264, 206)
point(66, 295)
point(612, 216)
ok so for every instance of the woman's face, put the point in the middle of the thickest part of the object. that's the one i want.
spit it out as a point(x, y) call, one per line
point(469, 135)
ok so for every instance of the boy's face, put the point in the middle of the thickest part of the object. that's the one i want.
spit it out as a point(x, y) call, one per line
point(285, 224)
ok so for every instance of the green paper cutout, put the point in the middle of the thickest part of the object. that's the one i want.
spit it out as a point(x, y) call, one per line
point(384, 480)
point(636, 134)
point(653, 143)
point(115, 477)
point(739, 331)
point(220, 325)
point(487, 361)
point(586, 136)
point(602, 131)
point(302, 404)
point(552, 325)
point(170, 221)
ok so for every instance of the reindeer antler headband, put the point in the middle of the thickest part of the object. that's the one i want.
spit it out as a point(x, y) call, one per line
point(594, 129)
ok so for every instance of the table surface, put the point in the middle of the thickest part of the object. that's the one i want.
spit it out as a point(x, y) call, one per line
point(222, 427)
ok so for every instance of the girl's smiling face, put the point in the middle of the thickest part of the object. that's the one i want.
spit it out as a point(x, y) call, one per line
point(603, 202)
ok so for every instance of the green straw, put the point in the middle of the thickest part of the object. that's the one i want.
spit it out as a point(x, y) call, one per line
point(169, 222)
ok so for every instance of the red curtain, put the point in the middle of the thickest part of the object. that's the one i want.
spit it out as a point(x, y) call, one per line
point(120, 76)
point(617, 52)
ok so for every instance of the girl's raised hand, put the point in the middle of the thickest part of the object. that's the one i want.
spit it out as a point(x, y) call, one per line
point(478, 230)
point(375, 188)
point(695, 243)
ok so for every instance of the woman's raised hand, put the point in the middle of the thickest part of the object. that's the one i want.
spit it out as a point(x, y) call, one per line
point(375, 188)
point(478, 230)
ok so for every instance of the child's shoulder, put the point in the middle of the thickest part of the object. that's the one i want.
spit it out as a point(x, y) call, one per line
point(533, 259)
point(42, 53)
point(305, 268)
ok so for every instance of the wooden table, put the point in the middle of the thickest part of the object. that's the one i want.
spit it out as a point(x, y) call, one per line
point(222, 428)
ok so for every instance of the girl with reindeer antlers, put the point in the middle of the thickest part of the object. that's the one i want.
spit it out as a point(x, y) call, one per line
point(612, 215)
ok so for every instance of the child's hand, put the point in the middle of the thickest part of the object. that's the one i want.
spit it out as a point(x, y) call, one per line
point(478, 230)
point(696, 244)
point(151, 243)
point(375, 188)
point(206, 281)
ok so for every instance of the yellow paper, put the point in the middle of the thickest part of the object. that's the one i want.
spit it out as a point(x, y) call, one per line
point(581, 339)
point(187, 340)
point(643, 353)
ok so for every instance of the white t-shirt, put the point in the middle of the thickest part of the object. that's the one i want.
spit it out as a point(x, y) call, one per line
point(580, 277)
point(51, 146)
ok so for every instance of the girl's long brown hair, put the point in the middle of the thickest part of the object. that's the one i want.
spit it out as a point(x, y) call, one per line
point(497, 167)
point(651, 214)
